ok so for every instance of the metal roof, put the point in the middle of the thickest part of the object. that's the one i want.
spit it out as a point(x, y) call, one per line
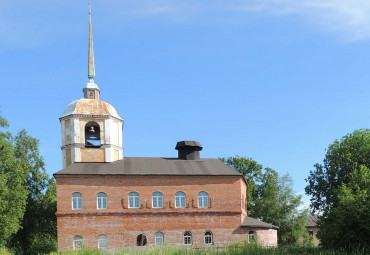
point(312, 220)
point(85, 106)
point(254, 223)
point(152, 166)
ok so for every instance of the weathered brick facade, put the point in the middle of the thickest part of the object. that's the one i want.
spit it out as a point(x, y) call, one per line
point(122, 225)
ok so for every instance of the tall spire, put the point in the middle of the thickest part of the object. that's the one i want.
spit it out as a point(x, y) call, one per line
point(91, 89)
point(91, 67)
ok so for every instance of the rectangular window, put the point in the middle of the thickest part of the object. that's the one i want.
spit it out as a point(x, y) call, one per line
point(77, 203)
point(187, 239)
point(102, 203)
point(180, 201)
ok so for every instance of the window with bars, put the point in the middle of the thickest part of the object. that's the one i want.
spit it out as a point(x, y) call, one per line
point(208, 237)
point(187, 237)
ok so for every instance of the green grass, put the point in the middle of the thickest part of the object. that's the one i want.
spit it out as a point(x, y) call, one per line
point(235, 249)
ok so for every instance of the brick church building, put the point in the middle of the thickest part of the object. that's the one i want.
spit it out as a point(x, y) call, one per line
point(108, 201)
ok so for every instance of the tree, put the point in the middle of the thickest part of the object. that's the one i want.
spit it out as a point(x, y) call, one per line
point(271, 199)
point(347, 224)
point(340, 189)
point(13, 193)
point(342, 158)
point(38, 232)
point(252, 172)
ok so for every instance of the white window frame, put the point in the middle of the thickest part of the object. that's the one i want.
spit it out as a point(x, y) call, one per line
point(77, 199)
point(188, 236)
point(157, 200)
point(203, 199)
point(159, 235)
point(77, 239)
point(103, 239)
point(101, 199)
point(134, 197)
point(208, 234)
point(181, 197)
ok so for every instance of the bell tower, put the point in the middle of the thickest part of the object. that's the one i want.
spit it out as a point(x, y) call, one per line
point(91, 128)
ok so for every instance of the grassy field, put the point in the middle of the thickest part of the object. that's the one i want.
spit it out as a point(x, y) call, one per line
point(236, 249)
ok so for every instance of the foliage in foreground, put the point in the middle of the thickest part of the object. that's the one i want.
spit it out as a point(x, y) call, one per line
point(235, 249)
point(27, 196)
point(340, 189)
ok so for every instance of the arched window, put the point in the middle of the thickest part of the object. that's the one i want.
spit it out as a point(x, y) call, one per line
point(141, 240)
point(157, 200)
point(187, 237)
point(208, 237)
point(180, 199)
point(76, 201)
point(251, 236)
point(102, 200)
point(92, 134)
point(133, 200)
point(102, 242)
point(158, 238)
point(202, 199)
point(78, 242)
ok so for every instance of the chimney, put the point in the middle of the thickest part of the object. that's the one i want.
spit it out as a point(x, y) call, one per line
point(188, 150)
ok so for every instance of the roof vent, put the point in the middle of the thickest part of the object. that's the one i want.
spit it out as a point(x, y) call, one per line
point(188, 150)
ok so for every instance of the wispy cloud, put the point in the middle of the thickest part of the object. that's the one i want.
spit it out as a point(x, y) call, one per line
point(347, 18)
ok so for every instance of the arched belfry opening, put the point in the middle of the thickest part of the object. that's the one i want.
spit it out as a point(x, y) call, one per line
point(92, 134)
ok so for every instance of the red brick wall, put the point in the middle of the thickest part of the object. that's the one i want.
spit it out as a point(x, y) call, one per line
point(122, 224)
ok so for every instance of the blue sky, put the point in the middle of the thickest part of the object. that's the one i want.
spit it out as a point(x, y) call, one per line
point(274, 80)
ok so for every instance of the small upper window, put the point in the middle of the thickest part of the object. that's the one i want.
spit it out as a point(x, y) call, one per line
point(180, 199)
point(133, 200)
point(158, 238)
point(208, 237)
point(187, 237)
point(202, 199)
point(76, 201)
point(78, 242)
point(92, 134)
point(102, 242)
point(157, 200)
point(102, 201)
point(251, 236)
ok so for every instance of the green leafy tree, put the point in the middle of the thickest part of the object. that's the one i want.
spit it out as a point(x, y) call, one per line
point(271, 199)
point(38, 232)
point(252, 171)
point(347, 224)
point(13, 193)
point(276, 203)
point(342, 158)
point(340, 189)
